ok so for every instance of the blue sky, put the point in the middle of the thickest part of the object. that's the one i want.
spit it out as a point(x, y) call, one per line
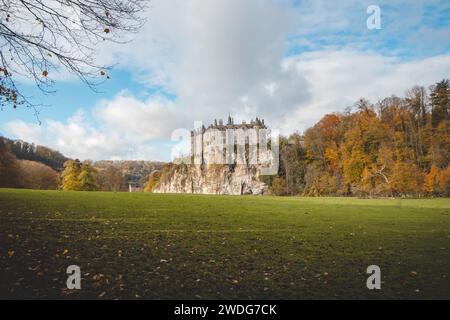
point(289, 62)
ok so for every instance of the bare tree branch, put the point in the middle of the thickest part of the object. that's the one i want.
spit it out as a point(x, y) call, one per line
point(40, 37)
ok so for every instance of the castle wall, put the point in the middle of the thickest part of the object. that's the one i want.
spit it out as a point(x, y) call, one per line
point(229, 144)
point(226, 160)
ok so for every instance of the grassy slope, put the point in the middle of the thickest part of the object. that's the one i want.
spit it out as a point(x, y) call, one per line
point(185, 246)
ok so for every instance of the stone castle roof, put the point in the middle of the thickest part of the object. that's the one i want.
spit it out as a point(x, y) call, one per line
point(220, 125)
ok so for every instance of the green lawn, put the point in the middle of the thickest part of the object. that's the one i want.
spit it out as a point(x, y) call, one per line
point(187, 246)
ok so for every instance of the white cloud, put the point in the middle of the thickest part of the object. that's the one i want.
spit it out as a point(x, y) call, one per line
point(140, 121)
point(338, 78)
point(112, 131)
point(211, 56)
point(230, 57)
point(27, 132)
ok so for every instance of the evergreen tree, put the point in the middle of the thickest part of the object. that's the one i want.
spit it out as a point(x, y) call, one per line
point(440, 102)
point(440, 123)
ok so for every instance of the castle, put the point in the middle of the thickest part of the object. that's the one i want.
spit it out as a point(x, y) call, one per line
point(229, 143)
point(225, 159)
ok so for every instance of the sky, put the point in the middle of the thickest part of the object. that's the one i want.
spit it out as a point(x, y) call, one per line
point(288, 62)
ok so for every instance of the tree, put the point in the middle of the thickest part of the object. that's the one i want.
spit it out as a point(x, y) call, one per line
point(293, 164)
point(444, 181)
point(9, 169)
point(399, 146)
point(29, 151)
point(39, 37)
point(36, 175)
point(279, 187)
point(87, 179)
point(153, 179)
point(111, 179)
point(70, 175)
point(432, 181)
point(406, 179)
point(78, 176)
point(440, 102)
point(437, 181)
point(440, 124)
point(416, 121)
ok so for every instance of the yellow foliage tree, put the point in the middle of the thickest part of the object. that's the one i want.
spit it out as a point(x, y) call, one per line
point(406, 178)
point(437, 181)
point(78, 176)
point(69, 176)
point(153, 179)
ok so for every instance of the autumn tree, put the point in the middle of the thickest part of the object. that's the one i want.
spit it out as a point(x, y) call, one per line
point(111, 179)
point(36, 175)
point(40, 38)
point(437, 181)
point(70, 175)
point(323, 143)
point(396, 147)
point(407, 179)
point(361, 162)
point(444, 181)
point(79, 176)
point(10, 176)
point(278, 187)
point(292, 166)
point(153, 179)
point(29, 151)
point(87, 179)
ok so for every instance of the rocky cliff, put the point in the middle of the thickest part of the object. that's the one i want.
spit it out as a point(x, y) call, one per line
point(210, 179)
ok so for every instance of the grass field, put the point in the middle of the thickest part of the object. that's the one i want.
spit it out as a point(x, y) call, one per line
point(201, 247)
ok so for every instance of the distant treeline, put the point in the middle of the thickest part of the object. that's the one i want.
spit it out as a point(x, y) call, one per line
point(24, 165)
point(16, 173)
point(135, 172)
point(106, 175)
point(395, 147)
point(29, 151)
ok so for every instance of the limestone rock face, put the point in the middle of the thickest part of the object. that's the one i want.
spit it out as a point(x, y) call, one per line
point(211, 179)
